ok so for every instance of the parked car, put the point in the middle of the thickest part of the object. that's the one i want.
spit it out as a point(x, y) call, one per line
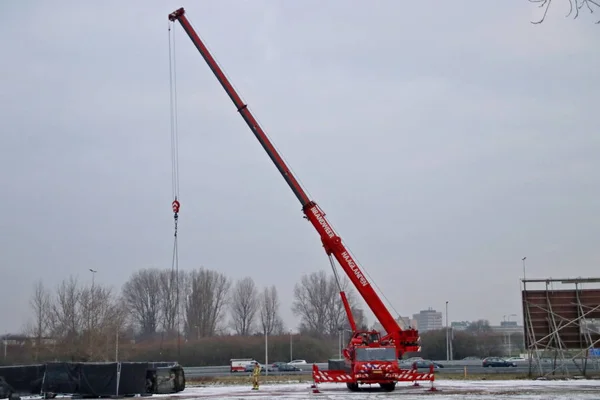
point(278, 364)
point(497, 362)
point(250, 367)
point(421, 364)
point(288, 368)
point(298, 362)
point(412, 359)
point(239, 364)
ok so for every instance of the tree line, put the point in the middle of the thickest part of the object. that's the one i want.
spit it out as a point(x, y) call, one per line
point(86, 320)
point(477, 340)
point(202, 316)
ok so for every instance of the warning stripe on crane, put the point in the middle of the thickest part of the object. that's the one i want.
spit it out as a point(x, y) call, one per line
point(335, 376)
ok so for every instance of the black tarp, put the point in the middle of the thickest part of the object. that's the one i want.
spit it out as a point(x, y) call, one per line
point(6, 390)
point(133, 378)
point(98, 379)
point(62, 378)
point(24, 378)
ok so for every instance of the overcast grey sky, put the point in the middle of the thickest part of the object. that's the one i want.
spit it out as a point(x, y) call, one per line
point(445, 141)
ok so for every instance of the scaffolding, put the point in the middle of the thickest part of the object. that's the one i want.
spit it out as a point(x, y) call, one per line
point(562, 326)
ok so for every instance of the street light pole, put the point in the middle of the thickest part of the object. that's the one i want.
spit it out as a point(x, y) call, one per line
point(117, 345)
point(447, 336)
point(291, 338)
point(91, 310)
point(93, 271)
point(523, 259)
point(340, 330)
point(503, 327)
point(266, 353)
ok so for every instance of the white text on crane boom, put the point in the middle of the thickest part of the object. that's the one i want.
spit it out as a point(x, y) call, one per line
point(351, 264)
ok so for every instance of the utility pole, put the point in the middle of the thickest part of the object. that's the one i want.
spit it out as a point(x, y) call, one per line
point(291, 339)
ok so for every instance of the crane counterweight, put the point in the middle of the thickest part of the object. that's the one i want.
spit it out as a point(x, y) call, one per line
point(365, 348)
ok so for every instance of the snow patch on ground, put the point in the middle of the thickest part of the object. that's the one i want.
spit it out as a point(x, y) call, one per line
point(447, 389)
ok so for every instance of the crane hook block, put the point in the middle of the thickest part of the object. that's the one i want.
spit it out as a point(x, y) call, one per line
point(175, 206)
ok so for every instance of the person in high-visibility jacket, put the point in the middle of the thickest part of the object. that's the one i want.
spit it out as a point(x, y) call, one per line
point(255, 376)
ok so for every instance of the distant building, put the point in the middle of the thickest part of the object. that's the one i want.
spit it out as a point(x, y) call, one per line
point(512, 336)
point(428, 320)
point(404, 322)
point(508, 327)
point(459, 325)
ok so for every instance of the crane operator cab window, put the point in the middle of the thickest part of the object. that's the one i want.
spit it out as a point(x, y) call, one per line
point(375, 354)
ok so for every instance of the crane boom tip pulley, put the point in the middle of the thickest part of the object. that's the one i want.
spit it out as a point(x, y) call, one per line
point(176, 14)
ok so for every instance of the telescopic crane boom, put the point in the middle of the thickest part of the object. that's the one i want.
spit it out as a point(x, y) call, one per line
point(403, 340)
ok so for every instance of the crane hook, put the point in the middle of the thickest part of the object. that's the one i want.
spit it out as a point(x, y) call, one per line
point(176, 206)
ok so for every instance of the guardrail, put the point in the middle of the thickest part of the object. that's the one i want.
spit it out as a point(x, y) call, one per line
point(224, 371)
point(454, 367)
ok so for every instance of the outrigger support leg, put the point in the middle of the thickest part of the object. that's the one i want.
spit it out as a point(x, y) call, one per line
point(314, 386)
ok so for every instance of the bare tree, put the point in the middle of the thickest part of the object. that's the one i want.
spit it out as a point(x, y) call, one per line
point(574, 7)
point(170, 297)
point(98, 312)
point(65, 317)
point(317, 302)
point(205, 302)
point(337, 317)
point(113, 318)
point(270, 320)
point(143, 298)
point(40, 304)
point(244, 306)
point(359, 318)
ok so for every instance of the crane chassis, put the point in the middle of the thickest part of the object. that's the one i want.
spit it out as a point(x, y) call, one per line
point(369, 357)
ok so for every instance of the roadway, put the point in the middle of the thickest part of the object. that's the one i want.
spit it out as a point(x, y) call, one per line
point(450, 367)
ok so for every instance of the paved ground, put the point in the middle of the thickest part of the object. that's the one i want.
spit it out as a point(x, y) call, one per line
point(531, 390)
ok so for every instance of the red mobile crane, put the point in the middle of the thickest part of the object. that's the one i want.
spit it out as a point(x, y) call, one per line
point(369, 358)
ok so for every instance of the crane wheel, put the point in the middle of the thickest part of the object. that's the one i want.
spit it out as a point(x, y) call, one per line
point(388, 387)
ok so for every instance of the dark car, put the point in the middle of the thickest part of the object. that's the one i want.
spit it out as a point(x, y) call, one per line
point(421, 364)
point(288, 368)
point(497, 362)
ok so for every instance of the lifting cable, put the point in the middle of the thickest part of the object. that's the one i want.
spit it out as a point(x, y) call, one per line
point(174, 176)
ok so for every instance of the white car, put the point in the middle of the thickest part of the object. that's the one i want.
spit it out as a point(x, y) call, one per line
point(298, 362)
